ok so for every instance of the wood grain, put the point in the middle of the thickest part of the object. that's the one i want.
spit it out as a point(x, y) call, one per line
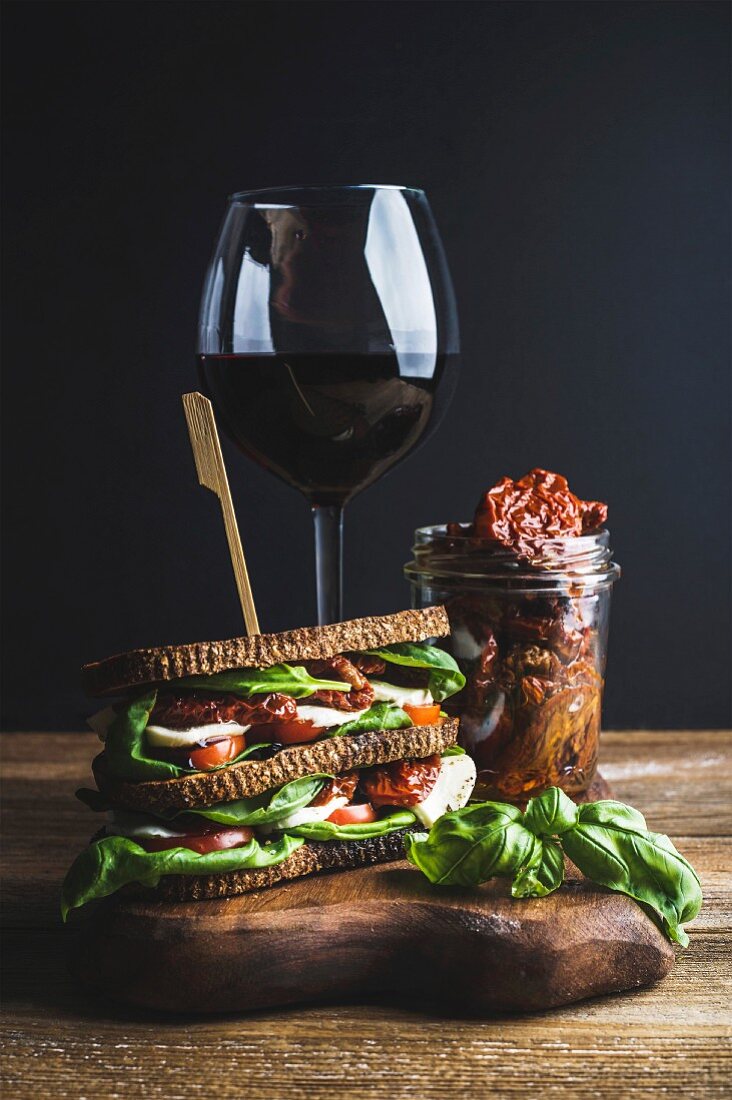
point(673, 1039)
point(378, 932)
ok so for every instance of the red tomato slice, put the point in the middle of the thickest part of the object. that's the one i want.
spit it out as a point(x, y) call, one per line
point(295, 732)
point(202, 843)
point(360, 814)
point(403, 783)
point(425, 715)
point(217, 753)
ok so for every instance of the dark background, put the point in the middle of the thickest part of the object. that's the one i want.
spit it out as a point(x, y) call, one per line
point(576, 158)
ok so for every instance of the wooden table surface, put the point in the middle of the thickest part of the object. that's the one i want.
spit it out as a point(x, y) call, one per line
point(673, 1039)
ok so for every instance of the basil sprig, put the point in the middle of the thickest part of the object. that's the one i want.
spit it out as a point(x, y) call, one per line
point(608, 841)
point(445, 678)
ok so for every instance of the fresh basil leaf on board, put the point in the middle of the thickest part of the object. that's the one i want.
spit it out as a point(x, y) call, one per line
point(328, 830)
point(381, 716)
point(470, 846)
point(293, 680)
point(543, 875)
point(609, 812)
point(550, 813)
point(445, 676)
point(608, 841)
point(109, 864)
point(641, 864)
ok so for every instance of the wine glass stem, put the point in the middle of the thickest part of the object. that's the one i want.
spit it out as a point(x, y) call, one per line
point(329, 561)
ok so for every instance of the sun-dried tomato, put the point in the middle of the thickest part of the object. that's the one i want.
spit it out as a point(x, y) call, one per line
point(551, 629)
point(403, 783)
point(532, 654)
point(338, 787)
point(368, 664)
point(181, 712)
point(361, 695)
point(539, 505)
point(338, 668)
point(534, 689)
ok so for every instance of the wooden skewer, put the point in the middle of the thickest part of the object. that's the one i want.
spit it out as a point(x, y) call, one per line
point(212, 475)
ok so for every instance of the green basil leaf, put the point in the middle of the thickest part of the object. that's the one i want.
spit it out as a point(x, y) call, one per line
point(264, 809)
point(454, 750)
point(469, 846)
point(609, 812)
point(608, 841)
point(109, 864)
point(293, 680)
point(328, 830)
point(643, 865)
point(125, 748)
point(297, 793)
point(445, 676)
point(551, 813)
point(543, 874)
point(381, 716)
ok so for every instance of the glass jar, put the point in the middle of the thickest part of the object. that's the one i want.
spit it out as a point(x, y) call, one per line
point(530, 634)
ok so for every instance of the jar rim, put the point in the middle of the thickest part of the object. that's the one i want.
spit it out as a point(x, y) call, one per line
point(581, 560)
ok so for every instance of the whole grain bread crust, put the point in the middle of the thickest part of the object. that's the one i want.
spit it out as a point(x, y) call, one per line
point(311, 857)
point(251, 777)
point(115, 675)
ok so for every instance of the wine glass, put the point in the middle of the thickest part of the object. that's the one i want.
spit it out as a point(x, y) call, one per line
point(327, 327)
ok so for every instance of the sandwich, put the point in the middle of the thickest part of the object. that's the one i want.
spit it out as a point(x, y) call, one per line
point(231, 766)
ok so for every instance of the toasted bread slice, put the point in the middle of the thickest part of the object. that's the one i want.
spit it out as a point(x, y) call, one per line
point(311, 857)
point(251, 777)
point(116, 675)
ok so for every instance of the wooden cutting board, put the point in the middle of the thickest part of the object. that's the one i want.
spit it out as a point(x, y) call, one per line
point(381, 933)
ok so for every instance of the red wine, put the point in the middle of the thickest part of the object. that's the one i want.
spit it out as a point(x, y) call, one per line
point(329, 424)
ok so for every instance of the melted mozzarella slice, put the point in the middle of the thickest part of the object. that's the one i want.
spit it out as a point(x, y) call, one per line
point(413, 697)
point(325, 717)
point(306, 814)
point(452, 790)
point(322, 717)
point(164, 738)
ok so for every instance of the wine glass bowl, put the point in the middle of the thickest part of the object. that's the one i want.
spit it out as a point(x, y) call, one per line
point(327, 328)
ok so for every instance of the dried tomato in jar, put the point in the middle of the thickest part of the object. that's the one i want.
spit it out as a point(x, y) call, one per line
point(527, 588)
point(537, 507)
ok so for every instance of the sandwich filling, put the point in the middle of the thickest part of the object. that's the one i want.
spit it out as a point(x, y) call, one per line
point(265, 830)
point(201, 723)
